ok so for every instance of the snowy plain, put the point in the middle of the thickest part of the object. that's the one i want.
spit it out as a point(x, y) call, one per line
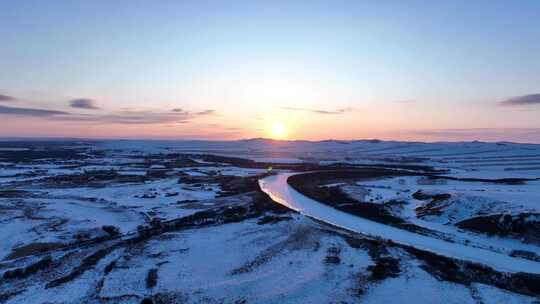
point(287, 261)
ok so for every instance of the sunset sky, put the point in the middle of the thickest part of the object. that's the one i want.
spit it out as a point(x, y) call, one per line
point(406, 70)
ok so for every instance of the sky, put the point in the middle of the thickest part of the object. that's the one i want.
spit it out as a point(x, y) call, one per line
point(403, 70)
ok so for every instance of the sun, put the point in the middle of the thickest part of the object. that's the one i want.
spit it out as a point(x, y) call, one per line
point(277, 130)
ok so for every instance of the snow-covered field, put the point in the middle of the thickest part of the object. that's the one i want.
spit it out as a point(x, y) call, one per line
point(474, 159)
point(69, 208)
point(287, 262)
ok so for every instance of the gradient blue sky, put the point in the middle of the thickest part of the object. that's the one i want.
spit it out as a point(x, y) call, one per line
point(425, 70)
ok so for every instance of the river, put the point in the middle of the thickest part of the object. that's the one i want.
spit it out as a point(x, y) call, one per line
point(279, 190)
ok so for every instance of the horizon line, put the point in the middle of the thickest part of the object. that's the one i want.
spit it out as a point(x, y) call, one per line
point(97, 139)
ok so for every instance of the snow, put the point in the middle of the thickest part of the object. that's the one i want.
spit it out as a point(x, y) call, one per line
point(418, 287)
point(15, 232)
point(198, 263)
point(133, 195)
point(196, 266)
point(497, 160)
point(62, 213)
point(492, 295)
point(234, 171)
point(468, 198)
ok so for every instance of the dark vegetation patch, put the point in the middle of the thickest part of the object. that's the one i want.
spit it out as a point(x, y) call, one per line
point(43, 144)
point(81, 240)
point(15, 193)
point(110, 267)
point(434, 207)
point(233, 185)
point(502, 181)
point(524, 254)
point(169, 298)
point(425, 231)
point(236, 161)
point(466, 273)
point(333, 255)
point(258, 261)
point(86, 264)
point(126, 298)
point(24, 272)
point(167, 160)
point(420, 195)
point(4, 297)
point(272, 219)
point(524, 225)
point(305, 166)
point(96, 178)
point(111, 230)
point(335, 176)
point(152, 278)
point(371, 211)
point(385, 266)
point(157, 173)
point(33, 248)
point(229, 184)
point(33, 155)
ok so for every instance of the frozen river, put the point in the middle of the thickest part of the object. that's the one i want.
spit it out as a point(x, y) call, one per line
point(279, 190)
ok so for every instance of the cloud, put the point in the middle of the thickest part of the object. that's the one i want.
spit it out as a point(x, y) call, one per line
point(4, 110)
point(175, 116)
point(319, 111)
point(199, 113)
point(83, 103)
point(205, 112)
point(530, 99)
point(130, 117)
point(7, 98)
